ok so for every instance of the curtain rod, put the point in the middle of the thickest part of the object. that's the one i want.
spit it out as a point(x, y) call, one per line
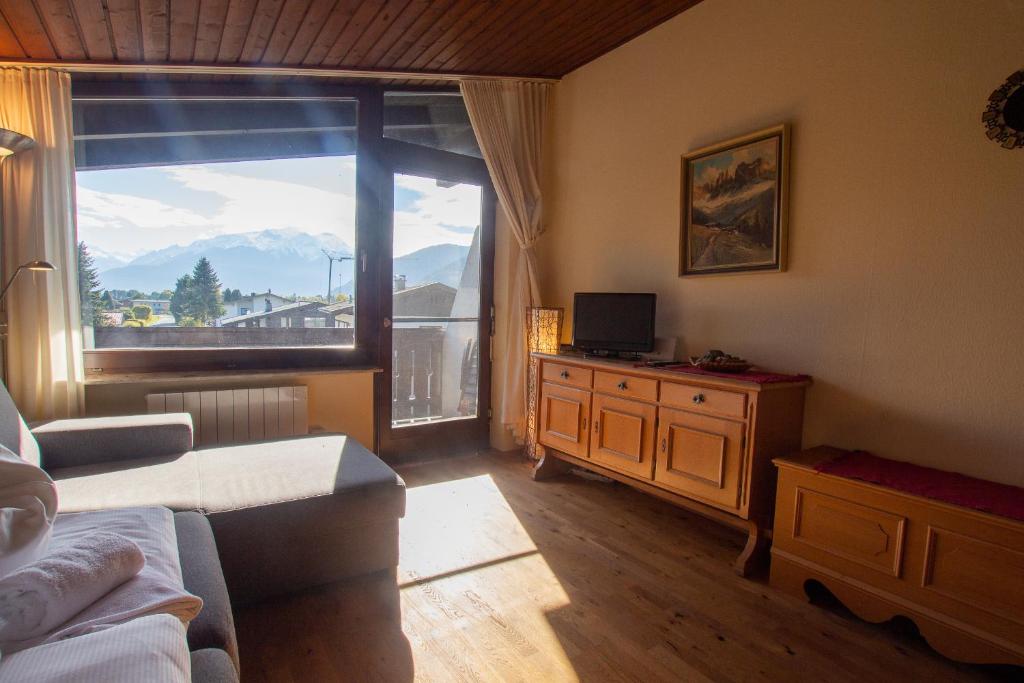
point(259, 70)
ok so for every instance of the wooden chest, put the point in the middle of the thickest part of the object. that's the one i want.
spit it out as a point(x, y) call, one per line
point(958, 573)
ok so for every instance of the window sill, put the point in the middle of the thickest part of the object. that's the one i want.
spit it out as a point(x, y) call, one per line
point(192, 376)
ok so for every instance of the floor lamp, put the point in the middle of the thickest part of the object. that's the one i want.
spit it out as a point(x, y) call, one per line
point(543, 333)
point(11, 142)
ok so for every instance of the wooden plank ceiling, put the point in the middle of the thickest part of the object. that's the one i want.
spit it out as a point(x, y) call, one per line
point(540, 38)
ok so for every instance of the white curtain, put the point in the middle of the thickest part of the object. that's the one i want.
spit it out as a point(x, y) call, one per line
point(44, 347)
point(508, 119)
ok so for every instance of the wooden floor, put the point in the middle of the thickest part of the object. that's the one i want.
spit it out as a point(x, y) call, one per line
point(503, 578)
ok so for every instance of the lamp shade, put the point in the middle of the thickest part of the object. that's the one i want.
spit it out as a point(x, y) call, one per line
point(39, 265)
point(543, 329)
point(12, 142)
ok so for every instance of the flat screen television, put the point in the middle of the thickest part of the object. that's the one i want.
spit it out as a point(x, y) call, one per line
point(607, 322)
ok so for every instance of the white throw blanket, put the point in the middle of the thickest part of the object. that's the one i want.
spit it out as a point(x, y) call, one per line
point(150, 649)
point(41, 596)
point(156, 589)
point(28, 505)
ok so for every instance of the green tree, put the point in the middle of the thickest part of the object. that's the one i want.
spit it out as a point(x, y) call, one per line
point(89, 289)
point(206, 286)
point(142, 312)
point(196, 300)
point(107, 300)
point(182, 305)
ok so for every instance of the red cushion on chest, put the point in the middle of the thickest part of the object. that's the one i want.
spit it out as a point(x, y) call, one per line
point(949, 487)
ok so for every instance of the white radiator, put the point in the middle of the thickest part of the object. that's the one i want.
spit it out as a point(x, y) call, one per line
point(238, 415)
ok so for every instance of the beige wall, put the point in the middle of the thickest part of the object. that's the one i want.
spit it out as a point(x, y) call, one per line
point(904, 295)
point(338, 401)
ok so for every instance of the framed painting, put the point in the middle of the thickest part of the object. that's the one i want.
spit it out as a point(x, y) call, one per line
point(734, 205)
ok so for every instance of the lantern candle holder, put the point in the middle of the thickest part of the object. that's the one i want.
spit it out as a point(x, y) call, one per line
point(543, 334)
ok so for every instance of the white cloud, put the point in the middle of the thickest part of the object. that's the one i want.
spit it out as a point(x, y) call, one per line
point(126, 226)
point(102, 208)
point(253, 204)
point(440, 215)
point(254, 196)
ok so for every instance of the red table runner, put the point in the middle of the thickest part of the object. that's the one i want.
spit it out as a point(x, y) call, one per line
point(756, 376)
point(949, 487)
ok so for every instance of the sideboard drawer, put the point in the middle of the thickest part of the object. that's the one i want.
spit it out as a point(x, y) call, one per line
point(702, 399)
point(626, 386)
point(568, 374)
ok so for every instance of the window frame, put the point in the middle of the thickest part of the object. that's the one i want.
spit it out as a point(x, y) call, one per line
point(371, 183)
point(436, 439)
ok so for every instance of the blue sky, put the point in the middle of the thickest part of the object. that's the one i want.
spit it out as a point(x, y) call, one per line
point(123, 213)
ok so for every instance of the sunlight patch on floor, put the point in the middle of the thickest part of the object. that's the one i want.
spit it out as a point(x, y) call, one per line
point(475, 590)
point(457, 524)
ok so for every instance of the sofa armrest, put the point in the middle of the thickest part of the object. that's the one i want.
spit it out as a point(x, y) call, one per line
point(87, 441)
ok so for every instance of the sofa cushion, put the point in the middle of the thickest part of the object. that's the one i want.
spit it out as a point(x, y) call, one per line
point(296, 469)
point(202, 575)
point(170, 481)
point(300, 512)
point(212, 666)
point(91, 440)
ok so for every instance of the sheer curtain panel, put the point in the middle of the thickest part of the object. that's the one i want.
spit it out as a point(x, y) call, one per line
point(508, 119)
point(44, 344)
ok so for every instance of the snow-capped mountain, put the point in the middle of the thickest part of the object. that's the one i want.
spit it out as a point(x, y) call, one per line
point(284, 261)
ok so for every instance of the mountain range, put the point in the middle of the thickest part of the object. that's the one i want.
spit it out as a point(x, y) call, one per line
point(283, 261)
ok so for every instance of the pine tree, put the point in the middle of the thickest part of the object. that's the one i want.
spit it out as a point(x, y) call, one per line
point(206, 286)
point(182, 304)
point(89, 289)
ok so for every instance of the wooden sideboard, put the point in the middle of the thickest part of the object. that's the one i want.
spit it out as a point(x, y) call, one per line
point(700, 442)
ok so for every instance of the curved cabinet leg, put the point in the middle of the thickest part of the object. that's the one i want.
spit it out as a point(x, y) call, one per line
point(548, 466)
point(755, 554)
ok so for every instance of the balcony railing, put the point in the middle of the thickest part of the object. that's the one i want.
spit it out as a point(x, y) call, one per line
point(434, 369)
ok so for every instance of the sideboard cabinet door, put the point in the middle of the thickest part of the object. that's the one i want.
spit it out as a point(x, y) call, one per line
point(622, 435)
point(700, 456)
point(564, 419)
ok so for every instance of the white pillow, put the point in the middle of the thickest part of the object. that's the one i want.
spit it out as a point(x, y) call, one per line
point(151, 649)
point(28, 506)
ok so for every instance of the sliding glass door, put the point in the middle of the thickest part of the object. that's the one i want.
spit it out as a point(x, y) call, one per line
point(435, 392)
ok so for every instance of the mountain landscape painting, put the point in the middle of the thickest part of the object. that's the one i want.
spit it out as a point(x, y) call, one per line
point(733, 211)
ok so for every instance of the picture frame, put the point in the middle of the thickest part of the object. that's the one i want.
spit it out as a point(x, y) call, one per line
point(734, 211)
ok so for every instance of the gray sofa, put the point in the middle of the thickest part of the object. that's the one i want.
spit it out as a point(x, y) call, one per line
point(253, 521)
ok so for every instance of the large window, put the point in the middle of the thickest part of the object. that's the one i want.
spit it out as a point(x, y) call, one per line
point(217, 222)
point(243, 225)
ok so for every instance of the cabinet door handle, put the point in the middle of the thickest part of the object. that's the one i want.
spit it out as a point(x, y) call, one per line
point(584, 424)
point(597, 426)
point(622, 385)
point(564, 374)
point(664, 444)
point(698, 398)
